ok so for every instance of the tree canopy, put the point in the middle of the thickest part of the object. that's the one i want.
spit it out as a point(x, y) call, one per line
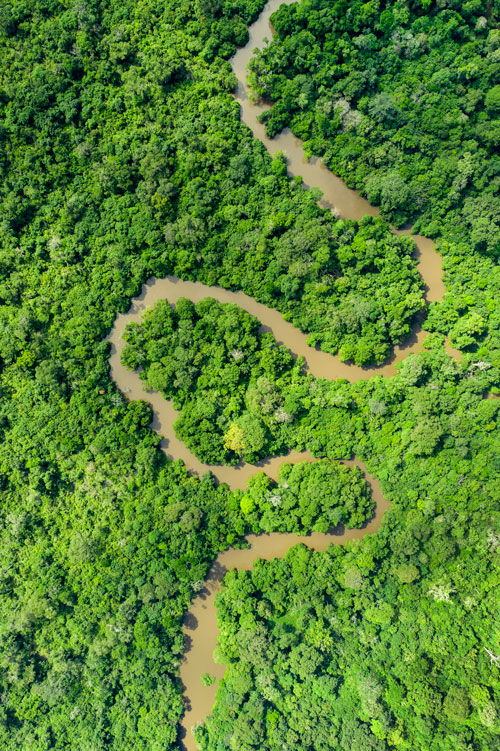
point(123, 157)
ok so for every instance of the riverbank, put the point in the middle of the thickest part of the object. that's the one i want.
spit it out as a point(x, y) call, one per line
point(200, 623)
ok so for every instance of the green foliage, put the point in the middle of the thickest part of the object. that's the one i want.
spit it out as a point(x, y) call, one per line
point(377, 644)
point(309, 496)
point(368, 668)
point(402, 102)
point(207, 679)
point(151, 172)
point(407, 573)
point(123, 156)
point(492, 100)
point(395, 106)
point(207, 357)
point(456, 704)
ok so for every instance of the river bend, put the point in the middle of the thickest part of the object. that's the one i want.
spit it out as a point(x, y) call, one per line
point(200, 626)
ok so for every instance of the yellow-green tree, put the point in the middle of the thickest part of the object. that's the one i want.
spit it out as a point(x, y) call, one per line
point(234, 439)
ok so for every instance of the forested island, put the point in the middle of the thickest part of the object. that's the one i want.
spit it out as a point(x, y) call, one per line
point(123, 157)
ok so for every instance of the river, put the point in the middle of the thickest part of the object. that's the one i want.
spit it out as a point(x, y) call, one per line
point(200, 627)
point(200, 624)
point(336, 195)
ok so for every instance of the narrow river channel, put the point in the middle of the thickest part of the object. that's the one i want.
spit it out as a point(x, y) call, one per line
point(200, 626)
point(336, 195)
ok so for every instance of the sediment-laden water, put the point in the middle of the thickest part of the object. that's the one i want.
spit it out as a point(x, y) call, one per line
point(200, 626)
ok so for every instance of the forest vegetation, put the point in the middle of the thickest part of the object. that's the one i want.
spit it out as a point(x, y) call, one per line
point(122, 156)
point(223, 375)
point(402, 100)
point(194, 193)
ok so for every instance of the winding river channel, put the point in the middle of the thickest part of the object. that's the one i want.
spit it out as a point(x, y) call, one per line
point(200, 626)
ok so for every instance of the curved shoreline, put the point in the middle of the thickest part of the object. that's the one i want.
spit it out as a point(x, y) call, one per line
point(336, 195)
point(200, 623)
point(320, 364)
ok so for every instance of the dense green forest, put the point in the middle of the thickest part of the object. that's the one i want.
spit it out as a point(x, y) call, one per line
point(384, 643)
point(224, 376)
point(360, 650)
point(309, 496)
point(122, 156)
point(402, 100)
point(148, 158)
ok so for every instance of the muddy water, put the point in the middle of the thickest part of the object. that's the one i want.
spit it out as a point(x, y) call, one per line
point(336, 195)
point(200, 625)
point(200, 628)
point(320, 364)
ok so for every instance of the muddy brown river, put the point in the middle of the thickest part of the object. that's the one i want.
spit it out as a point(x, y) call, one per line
point(336, 195)
point(200, 626)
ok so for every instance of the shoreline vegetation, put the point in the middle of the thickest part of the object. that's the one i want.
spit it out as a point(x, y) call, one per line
point(124, 158)
point(155, 293)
